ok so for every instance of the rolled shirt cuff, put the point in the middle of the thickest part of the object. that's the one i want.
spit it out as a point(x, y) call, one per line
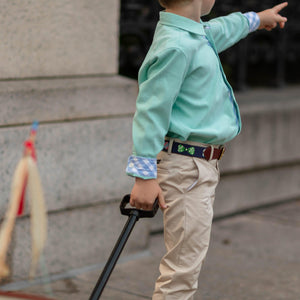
point(142, 167)
point(253, 20)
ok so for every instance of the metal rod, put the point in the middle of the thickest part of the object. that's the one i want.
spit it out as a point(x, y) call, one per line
point(133, 218)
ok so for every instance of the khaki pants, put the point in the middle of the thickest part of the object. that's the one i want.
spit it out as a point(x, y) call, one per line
point(188, 185)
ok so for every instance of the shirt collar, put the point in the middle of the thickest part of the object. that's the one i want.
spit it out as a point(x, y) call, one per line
point(184, 23)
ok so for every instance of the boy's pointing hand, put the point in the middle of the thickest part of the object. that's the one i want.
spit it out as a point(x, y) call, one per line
point(269, 18)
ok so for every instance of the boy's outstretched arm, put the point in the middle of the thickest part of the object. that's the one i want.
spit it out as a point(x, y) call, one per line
point(269, 18)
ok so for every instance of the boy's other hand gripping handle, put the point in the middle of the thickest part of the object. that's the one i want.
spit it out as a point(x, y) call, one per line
point(139, 212)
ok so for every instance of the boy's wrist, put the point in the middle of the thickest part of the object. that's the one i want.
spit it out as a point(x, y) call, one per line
point(140, 180)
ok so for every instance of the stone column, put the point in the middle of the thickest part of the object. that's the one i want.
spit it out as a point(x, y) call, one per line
point(59, 65)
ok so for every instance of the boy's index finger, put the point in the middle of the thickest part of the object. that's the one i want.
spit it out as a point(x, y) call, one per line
point(279, 7)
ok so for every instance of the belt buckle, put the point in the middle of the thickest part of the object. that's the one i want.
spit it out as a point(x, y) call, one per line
point(222, 152)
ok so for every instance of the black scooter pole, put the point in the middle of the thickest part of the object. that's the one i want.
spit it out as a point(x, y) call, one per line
point(133, 216)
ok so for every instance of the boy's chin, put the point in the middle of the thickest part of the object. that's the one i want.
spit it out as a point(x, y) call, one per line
point(205, 13)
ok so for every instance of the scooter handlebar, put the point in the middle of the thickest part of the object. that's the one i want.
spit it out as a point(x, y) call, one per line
point(140, 213)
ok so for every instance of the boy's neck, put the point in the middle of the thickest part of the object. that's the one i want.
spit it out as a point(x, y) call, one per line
point(191, 10)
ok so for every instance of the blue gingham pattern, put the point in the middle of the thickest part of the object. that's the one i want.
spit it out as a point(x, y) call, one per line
point(141, 167)
point(253, 19)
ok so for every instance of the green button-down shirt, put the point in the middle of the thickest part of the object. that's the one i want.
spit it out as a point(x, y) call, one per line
point(183, 91)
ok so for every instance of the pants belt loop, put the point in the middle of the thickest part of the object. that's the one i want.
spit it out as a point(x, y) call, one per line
point(211, 152)
point(170, 145)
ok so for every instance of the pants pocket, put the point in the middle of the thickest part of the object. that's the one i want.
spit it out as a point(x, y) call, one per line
point(207, 176)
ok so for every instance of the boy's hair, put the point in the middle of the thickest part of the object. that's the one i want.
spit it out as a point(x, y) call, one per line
point(168, 3)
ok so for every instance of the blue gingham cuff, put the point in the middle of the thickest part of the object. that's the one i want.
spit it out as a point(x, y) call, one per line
point(141, 167)
point(253, 20)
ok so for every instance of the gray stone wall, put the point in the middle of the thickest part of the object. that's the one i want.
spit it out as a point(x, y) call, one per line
point(59, 62)
point(262, 164)
point(41, 38)
point(83, 142)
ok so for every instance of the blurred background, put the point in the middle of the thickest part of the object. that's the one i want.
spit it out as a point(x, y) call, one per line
point(263, 59)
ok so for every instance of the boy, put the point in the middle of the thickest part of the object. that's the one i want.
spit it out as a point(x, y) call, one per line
point(185, 113)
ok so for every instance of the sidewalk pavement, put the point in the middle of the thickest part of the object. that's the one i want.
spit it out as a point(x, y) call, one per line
point(252, 256)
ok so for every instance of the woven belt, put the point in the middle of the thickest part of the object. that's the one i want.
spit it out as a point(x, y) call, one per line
point(194, 151)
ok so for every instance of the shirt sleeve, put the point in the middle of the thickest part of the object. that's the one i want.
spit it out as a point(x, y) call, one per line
point(160, 80)
point(142, 167)
point(253, 20)
point(227, 31)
